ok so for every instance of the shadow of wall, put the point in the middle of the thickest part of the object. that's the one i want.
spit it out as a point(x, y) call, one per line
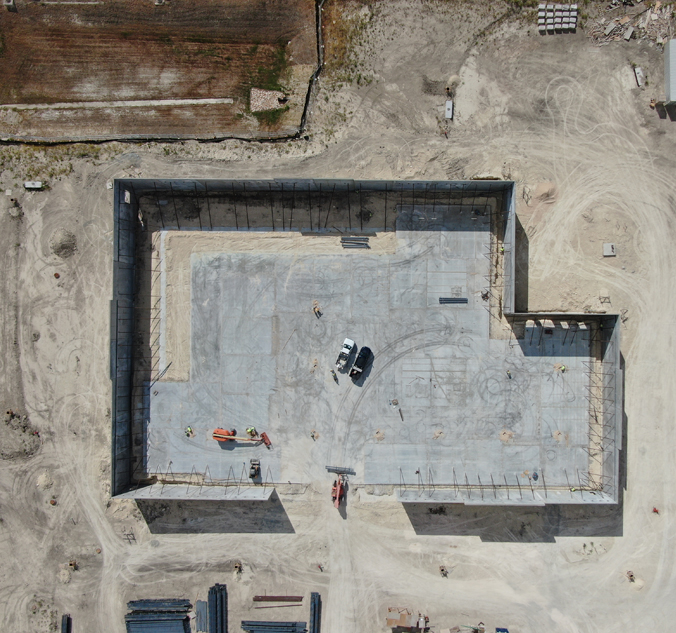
point(502, 524)
point(216, 517)
point(521, 267)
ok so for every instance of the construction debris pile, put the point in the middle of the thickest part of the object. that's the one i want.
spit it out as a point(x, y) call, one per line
point(262, 100)
point(652, 23)
point(557, 18)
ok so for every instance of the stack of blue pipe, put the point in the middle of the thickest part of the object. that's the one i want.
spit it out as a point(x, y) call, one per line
point(218, 609)
point(158, 616)
point(254, 626)
point(315, 612)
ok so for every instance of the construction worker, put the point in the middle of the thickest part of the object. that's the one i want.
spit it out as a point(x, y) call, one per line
point(563, 369)
point(189, 432)
point(251, 431)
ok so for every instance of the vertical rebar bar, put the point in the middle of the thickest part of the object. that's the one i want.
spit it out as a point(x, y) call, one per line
point(328, 213)
point(159, 206)
point(246, 207)
point(309, 202)
point(206, 190)
point(385, 220)
point(361, 211)
point(272, 206)
point(234, 204)
point(173, 200)
point(283, 217)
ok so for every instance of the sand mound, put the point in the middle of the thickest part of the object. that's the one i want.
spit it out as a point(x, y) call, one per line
point(45, 481)
point(63, 243)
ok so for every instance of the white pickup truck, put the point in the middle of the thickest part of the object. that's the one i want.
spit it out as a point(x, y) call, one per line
point(344, 356)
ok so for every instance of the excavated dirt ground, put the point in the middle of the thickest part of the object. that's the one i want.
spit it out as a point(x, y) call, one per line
point(593, 164)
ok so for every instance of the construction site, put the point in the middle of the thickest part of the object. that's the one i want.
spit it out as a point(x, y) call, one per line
point(326, 316)
point(464, 401)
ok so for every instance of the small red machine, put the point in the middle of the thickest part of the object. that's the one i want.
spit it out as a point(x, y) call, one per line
point(339, 485)
point(338, 490)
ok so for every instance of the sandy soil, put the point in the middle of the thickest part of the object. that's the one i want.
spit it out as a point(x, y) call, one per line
point(540, 110)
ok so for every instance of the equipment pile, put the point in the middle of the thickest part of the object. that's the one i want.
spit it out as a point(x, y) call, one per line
point(654, 24)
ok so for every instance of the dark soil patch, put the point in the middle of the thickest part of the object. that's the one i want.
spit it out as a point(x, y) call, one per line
point(63, 243)
point(18, 438)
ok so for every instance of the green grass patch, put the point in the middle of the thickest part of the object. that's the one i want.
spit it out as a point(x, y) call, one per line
point(268, 77)
point(270, 118)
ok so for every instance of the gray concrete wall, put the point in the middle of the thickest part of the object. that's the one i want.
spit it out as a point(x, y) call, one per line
point(121, 336)
point(670, 71)
point(613, 414)
point(509, 255)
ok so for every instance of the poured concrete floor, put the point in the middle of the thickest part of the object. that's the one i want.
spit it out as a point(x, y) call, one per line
point(468, 409)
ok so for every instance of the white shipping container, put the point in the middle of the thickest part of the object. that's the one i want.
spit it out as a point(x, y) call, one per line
point(670, 70)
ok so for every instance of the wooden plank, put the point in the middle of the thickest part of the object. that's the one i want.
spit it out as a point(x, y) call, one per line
point(278, 598)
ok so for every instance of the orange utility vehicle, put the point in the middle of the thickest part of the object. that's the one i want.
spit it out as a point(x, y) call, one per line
point(223, 435)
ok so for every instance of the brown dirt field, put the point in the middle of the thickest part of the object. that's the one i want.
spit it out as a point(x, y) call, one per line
point(164, 121)
point(133, 50)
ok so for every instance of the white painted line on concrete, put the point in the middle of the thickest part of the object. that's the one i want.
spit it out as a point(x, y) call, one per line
point(115, 104)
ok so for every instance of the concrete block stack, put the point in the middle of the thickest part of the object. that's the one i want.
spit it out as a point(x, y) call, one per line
point(557, 18)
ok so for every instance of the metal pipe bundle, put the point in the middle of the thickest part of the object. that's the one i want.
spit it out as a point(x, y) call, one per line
point(354, 242)
point(315, 612)
point(218, 609)
point(259, 626)
point(179, 604)
point(445, 300)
